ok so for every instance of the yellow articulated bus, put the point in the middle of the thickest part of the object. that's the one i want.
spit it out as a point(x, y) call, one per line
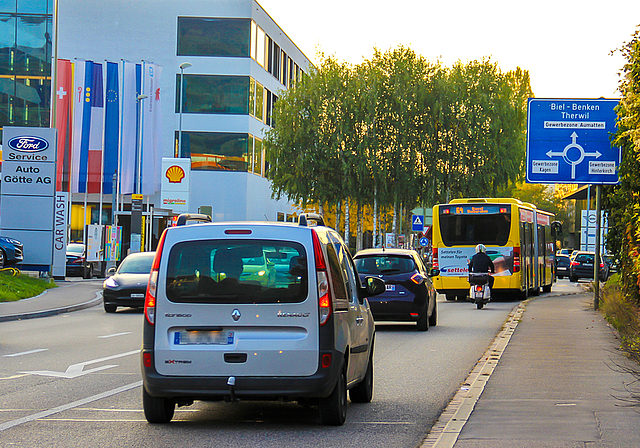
point(516, 234)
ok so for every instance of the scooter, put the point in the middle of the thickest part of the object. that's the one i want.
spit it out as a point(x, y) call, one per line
point(479, 293)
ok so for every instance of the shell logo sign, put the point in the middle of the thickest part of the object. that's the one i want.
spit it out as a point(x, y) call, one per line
point(175, 174)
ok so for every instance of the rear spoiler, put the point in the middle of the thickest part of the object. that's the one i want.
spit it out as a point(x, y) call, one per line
point(192, 218)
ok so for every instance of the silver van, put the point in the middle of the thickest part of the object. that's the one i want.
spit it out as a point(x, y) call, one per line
point(257, 311)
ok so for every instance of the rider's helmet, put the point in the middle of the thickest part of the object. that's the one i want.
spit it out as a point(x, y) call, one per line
point(481, 248)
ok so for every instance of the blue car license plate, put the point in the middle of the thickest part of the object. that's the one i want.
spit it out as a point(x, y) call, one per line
point(203, 338)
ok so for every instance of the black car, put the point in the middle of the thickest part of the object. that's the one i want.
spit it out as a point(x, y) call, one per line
point(10, 251)
point(582, 267)
point(77, 264)
point(128, 284)
point(562, 265)
point(410, 296)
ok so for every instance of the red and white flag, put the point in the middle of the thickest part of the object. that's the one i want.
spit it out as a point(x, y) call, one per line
point(63, 95)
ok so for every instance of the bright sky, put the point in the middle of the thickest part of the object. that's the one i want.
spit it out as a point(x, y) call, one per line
point(564, 44)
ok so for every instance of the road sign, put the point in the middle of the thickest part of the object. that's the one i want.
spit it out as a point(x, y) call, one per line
point(424, 241)
point(417, 223)
point(568, 141)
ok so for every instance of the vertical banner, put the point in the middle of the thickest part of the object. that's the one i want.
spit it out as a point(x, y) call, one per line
point(111, 127)
point(94, 249)
point(63, 98)
point(151, 132)
point(60, 222)
point(129, 128)
point(78, 104)
point(113, 243)
point(96, 131)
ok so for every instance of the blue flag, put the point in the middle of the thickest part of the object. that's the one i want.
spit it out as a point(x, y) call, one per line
point(111, 128)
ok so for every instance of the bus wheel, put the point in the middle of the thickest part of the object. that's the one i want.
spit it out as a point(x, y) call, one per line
point(546, 288)
point(451, 297)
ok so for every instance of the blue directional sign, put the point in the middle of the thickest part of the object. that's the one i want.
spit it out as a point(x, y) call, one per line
point(424, 242)
point(417, 223)
point(568, 141)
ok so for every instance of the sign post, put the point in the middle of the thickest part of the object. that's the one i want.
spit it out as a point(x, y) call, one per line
point(568, 141)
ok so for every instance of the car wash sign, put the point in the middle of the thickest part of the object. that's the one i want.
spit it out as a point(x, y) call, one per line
point(569, 141)
point(28, 191)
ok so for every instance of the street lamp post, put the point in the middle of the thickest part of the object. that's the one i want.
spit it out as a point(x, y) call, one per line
point(182, 67)
point(139, 164)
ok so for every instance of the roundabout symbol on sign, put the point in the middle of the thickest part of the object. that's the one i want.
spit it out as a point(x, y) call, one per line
point(565, 154)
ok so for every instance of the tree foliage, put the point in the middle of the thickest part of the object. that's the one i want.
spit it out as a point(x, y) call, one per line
point(411, 130)
point(623, 201)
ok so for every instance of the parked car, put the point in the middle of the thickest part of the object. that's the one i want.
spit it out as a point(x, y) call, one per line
point(410, 296)
point(208, 334)
point(77, 266)
point(11, 251)
point(563, 263)
point(611, 262)
point(582, 267)
point(127, 285)
point(564, 252)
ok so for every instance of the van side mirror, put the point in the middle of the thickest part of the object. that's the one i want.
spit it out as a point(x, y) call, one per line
point(374, 286)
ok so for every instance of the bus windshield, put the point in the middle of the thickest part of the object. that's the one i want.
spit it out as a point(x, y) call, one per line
point(471, 229)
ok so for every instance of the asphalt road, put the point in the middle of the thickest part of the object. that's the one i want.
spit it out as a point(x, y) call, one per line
point(74, 380)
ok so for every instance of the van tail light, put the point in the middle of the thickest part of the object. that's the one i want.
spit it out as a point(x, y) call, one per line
point(478, 288)
point(150, 296)
point(434, 258)
point(601, 265)
point(516, 259)
point(324, 291)
point(575, 263)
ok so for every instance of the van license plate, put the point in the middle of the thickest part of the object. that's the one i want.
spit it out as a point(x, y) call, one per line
point(390, 287)
point(203, 338)
point(137, 296)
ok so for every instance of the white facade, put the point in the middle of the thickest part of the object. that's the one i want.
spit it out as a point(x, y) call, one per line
point(147, 30)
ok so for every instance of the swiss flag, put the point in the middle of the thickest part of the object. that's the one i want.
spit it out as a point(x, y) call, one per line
point(62, 97)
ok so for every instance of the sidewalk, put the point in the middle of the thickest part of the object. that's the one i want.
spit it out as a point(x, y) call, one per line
point(69, 296)
point(552, 378)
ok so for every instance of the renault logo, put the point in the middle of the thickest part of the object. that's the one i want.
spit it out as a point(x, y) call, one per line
point(236, 315)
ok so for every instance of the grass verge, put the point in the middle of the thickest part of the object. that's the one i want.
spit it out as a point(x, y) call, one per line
point(18, 287)
point(623, 315)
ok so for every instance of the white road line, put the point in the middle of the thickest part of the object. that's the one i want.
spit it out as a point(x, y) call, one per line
point(66, 407)
point(76, 370)
point(113, 335)
point(26, 353)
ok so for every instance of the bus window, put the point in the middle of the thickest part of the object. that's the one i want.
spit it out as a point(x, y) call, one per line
point(474, 229)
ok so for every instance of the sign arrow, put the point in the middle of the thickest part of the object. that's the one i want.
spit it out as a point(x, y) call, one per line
point(76, 370)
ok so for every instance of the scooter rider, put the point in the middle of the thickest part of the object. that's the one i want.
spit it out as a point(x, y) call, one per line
point(482, 264)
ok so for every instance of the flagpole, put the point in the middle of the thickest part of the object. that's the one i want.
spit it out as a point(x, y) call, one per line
point(104, 125)
point(54, 68)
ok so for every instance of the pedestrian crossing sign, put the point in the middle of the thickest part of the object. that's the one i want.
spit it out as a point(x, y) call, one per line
point(417, 223)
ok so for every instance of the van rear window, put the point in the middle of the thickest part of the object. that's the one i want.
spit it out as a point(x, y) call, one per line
point(237, 271)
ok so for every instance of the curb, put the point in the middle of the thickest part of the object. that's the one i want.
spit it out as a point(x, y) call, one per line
point(55, 311)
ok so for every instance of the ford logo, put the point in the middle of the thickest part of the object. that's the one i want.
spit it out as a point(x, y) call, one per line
point(28, 144)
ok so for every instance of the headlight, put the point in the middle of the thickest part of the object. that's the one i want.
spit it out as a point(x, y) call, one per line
point(11, 241)
point(110, 283)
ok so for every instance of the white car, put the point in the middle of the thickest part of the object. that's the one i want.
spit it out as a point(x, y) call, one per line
point(213, 333)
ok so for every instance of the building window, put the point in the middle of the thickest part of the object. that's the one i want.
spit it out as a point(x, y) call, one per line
point(214, 94)
point(199, 36)
point(216, 151)
point(256, 159)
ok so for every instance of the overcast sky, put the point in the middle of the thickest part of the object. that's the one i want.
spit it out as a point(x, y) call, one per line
point(564, 44)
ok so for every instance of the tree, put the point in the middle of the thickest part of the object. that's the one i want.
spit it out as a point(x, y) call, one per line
point(623, 201)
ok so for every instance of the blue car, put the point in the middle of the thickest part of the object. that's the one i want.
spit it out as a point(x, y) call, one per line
point(410, 295)
point(10, 251)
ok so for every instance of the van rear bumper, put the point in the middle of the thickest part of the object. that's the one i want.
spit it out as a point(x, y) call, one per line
point(215, 388)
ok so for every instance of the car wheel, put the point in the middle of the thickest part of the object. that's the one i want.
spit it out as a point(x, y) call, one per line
point(433, 319)
point(479, 304)
point(363, 392)
point(88, 272)
point(423, 320)
point(333, 409)
point(110, 308)
point(2, 258)
point(157, 409)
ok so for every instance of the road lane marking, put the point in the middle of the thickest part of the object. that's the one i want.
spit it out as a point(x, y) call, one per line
point(76, 370)
point(113, 335)
point(66, 407)
point(38, 350)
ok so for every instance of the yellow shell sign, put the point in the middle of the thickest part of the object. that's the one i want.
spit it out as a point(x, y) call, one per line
point(175, 174)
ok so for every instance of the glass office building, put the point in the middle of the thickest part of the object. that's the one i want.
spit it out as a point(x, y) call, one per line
point(26, 29)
